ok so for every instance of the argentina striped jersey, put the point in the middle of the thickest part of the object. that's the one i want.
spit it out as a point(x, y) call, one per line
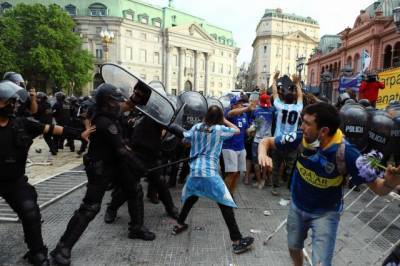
point(288, 115)
point(206, 144)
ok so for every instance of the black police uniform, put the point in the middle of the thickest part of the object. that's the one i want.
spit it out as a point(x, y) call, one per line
point(15, 139)
point(145, 141)
point(62, 115)
point(44, 115)
point(108, 159)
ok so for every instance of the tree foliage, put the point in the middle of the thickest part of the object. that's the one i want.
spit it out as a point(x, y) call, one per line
point(39, 42)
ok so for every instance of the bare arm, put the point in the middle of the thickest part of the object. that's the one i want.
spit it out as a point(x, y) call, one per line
point(34, 106)
point(299, 91)
point(231, 125)
point(263, 147)
point(239, 111)
point(383, 186)
point(275, 94)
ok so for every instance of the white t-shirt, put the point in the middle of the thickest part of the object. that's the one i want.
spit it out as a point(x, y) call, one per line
point(288, 116)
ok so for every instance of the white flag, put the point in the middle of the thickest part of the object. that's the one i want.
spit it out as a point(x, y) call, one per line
point(365, 61)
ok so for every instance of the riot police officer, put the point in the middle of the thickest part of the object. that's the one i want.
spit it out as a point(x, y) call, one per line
point(62, 115)
point(16, 137)
point(44, 115)
point(108, 159)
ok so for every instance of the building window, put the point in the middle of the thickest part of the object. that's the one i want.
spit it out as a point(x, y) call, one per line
point(387, 58)
point(129, 14)
point(156, 78)
point(229, 70)
point(157, 58)
point(156, 38)
point(212, 85)
point(357, 63)
point(156, 22)
point(128, 53)
point(129, 33)
point(97, 10)
point(143, 55)
point(143, 18)
point(396, 55)
point(143, 77)
point(220, 85)
point(221, 68)
point(214, 36)
point(213, 67)
point(99, 52)
point(173, 18)
point(143, 36)
point(265, 49)
point(71, 10)
point(348, 62)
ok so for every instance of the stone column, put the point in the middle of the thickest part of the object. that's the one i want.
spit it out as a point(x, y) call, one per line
point(196, 71)
point(206, 62)
point(167, 81)
point(181, 84)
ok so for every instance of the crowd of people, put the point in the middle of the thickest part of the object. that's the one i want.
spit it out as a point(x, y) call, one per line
point(284, 137)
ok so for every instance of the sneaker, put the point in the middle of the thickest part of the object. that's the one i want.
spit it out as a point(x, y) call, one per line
point(275, 192)
point(243, 245)
point(61, 255)
point(110, 215)
point(142, 233)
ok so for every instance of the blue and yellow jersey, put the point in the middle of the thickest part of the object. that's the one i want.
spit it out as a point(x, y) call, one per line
point(317, 185)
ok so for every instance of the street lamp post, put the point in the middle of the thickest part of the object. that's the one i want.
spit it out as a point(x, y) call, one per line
point(300, 62)
point(106, 39)
point(396, 18)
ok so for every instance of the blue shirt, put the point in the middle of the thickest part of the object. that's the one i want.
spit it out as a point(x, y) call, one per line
point(236, 143)
point(262, 120)
point(317, 185)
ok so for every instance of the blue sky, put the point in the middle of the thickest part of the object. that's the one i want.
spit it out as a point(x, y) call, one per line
point(241, 17)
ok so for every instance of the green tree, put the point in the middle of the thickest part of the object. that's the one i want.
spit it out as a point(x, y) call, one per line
point(39, 42)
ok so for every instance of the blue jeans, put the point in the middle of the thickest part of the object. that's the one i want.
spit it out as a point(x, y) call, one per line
point(324, 228)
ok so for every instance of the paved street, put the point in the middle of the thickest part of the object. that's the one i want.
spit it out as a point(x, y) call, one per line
point(205, 243)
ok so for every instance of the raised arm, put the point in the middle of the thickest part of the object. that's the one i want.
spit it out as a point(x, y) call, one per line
point(263, 147)
point(297, 82)
point(275, 94)
point(231, 125)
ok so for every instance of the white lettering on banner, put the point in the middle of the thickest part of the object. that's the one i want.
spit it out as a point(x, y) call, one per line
point(395, 133)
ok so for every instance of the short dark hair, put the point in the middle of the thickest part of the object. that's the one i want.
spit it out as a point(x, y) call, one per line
point(214, 116)
point(326, 115)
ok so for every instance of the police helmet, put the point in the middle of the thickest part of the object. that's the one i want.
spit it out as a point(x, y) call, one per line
point(364, 102)
point(394, 142)
point(106, 92)
point(23, 95)
point(60, 96)
point(41, 95)
point(379, 131)
point(8, 90)
point(16, 78)
point(354, 124)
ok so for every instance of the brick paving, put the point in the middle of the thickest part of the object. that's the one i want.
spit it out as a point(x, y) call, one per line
point(205, 243)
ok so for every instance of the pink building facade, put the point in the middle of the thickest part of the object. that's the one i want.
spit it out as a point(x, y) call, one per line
point(376, 34)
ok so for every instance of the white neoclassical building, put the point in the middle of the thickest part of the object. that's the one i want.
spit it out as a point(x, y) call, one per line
point(281, 39)
point(183, 51)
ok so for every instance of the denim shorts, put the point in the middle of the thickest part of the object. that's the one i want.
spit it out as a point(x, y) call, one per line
point(324, 228)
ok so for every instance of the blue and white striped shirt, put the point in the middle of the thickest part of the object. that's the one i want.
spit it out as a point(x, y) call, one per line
point(206, 144)
point(288, 115)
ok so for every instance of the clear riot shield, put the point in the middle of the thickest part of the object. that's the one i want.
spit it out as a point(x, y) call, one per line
point(226, 101)
point(211, 101)
point(192, 107)
point(157, 106)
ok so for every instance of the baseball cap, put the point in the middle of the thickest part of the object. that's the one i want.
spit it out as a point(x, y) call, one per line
point(265, 100)
point(236, 100)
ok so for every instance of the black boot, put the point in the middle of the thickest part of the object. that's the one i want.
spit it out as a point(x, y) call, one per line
point(38, 259)
point(110, 215)
point(61, 255)
point(142, 233)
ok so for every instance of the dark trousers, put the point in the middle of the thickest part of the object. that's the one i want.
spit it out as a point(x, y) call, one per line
point(22, 198)
point(156, 185)
point(96, 187)
point(227, 213)
point(279, 157)
point(50, 142)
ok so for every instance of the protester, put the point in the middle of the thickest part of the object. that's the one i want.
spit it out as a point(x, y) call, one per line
point(204, 180)
point(369, 89)
point(318, 179)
